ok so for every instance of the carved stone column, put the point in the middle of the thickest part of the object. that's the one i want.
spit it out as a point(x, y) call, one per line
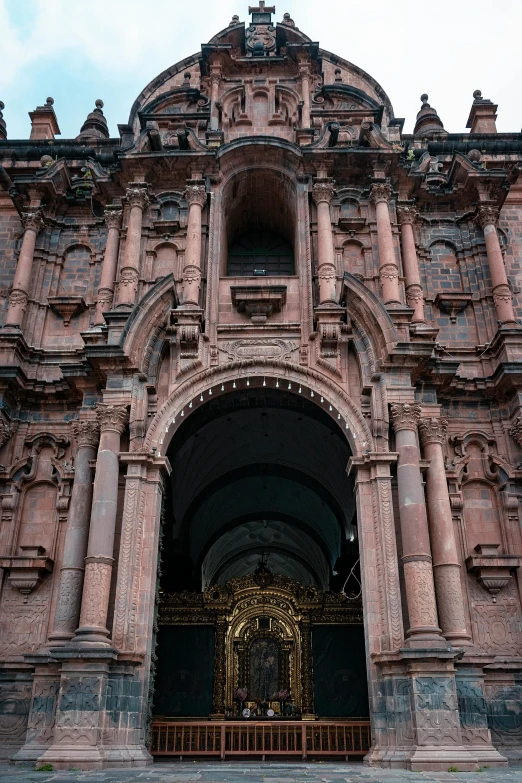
point(218, 698)
point(33, 224)
point(104, 301)
point(487, 219)
point(129, 273)
point(307, 668)
point(304, 73)
point(196, 197)
point(86, 434)
point(446, 567)
point(322, 193)
point(215, 81)
point(410, 262)
point(112, 420)
point(388, 269)
point(416, 555)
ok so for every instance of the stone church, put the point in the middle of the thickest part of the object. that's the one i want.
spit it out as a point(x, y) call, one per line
point(260, 422)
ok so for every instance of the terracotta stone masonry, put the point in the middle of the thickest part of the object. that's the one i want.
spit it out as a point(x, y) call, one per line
point(261, 420)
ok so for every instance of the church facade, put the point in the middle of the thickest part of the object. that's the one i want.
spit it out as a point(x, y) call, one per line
point(261, 426)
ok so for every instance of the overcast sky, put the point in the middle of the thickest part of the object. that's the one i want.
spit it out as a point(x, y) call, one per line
point(79, 51)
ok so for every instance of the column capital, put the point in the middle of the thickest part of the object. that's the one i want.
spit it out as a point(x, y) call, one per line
point(196, 194)
point(86, 432)
point(487, 215)
point(32, 220)
point(215, 77)
point(137, 195)
point(380, 191)
point(432, 430)
point(113, 217)
point(407, 214)
point(405, 416)
point(112, 417)
point(516, 430)
point(7, 429)
point(323, 191)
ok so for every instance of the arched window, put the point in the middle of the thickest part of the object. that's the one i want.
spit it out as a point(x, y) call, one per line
point(260, 253)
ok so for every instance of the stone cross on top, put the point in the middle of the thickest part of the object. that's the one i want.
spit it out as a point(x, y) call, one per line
point(260, 13)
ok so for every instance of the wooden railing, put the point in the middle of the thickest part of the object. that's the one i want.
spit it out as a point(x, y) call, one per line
point(278, 738)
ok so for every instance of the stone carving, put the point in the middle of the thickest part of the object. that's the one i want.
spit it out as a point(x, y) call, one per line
point(137, 195)
point(487, 215)
point(516, 430)
point(322, 192)
point(14, 707)
point(32, 221)
point(497, 628)
point(406, 214)
point(71, 581)
point(7, 428)
point(113, 218)
point(105, 297)
point(192, 274)
point(125, 560)
point(79, 702)
point(433, 430)
point(388, 272)
point(414, 295)
point(129, 277)
point(418, 576)
point(112, 417)
point(196, 194)
point(18, 297)
point(449, 597)
point(267, 348)
point(95, 593)
point(326, 272)
point(392, 582)
point(86, 432)
point(502, 293)
point(380, 192)
point(22, 625)
point(405, 416)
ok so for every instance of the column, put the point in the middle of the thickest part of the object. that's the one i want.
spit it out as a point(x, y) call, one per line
point(307, 667)
point(502, 296)
point(33, 224)
point(416, 555)
point(322, 193)
point(410, 263)
point(215, 81)
point(110, 262)
point(137, 199)
point(86, 433)
point(112, 420)
point(446, 567)
point(220, 655)
point(304, 72)
point(196, 197)
point(388, 269)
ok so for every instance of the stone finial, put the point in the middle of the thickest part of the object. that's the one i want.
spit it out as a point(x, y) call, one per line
point(95, 126)
point(483, 115)
point(405, 416)
point(44, 124)
point(428, 124)
point(234, 21)
point(3, 129)
point(287, 19)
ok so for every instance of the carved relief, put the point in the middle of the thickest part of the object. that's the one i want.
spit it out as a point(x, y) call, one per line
point(496, 628)
point(405, 416)
point(433, 430)
point(137, 195)
point(380, 192)
point(86, 432)
point(112, 417)
point(267, 348)
point(322, 192)
point(487, 215)
point(95, 593)
point(196, 194)
point(32, 221)
point(418, 576)
point(71, 581)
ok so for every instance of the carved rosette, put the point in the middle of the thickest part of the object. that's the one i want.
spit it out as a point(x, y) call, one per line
point(192, 274)
point(388, 272)
point(112, 417)
point(405, 416)
point(86, 433)
point(32, 221)
point(196, 194)
point(433, 430)
point(414, 295)
point(322, 192)
point(487, 215)
point(113, 218)
point(516, 430)
point(406, 215)
point(137, 196)
point(380, 192)
point(502, 293)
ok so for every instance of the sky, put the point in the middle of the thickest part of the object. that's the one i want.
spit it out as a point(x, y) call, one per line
point(77, 51)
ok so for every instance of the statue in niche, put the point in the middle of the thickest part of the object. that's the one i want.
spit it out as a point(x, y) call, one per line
point(264, 669)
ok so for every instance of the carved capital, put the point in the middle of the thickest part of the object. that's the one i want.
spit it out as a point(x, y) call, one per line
point(433, 430)
point(487, 215)
point(323, 191)
point(7, 428)
point(86, 432)
point(112, 417)
point(405, 416)
point(381, 191)
point(516, 430)
point(407, 215)
point(196, 194)
point(32, 221)
point(137, 195)
point(113, 217)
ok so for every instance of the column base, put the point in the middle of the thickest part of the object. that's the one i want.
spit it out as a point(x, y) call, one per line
point(67, 756)
point(433, 758)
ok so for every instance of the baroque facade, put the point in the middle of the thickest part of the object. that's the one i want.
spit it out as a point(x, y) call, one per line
point(359, 392)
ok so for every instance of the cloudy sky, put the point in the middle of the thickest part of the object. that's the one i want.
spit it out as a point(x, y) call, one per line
point(79, 51)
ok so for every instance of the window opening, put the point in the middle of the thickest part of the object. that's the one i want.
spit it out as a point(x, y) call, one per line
point(260, 253)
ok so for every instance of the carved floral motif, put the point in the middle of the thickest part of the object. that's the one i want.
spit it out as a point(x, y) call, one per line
point(196, 194)
point(380, 192)
point(406, 215)
point(112, 417)
point(137, 195)
point(86, 432)
point(32, 221)
point(432, 430)
point(414, 294)
point(113, 218)
point(405, 416)
point(516, 430)
point(418, 576)
point(323, 191)
point(487, 215)
point(192, 274)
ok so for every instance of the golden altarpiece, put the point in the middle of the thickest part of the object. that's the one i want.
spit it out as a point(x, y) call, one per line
point(263, 639)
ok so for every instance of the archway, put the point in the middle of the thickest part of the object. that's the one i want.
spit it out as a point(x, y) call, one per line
point(260, 538)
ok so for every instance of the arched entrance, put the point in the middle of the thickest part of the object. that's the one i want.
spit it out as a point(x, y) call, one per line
point(259, 540)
